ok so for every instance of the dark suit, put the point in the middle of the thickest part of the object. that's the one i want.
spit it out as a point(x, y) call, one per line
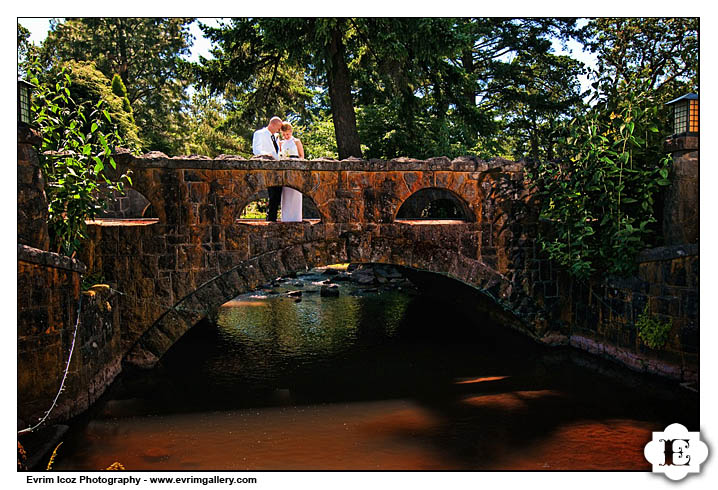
point(264, 143)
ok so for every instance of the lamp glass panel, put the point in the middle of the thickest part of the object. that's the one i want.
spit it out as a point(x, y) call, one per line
point(693, 117)
point(680, 118)
point(24, 105)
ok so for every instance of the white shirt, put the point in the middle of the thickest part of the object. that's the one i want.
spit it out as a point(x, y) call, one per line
point(262, 143)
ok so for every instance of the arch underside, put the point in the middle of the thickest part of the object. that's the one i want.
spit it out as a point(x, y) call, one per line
point(351, 247)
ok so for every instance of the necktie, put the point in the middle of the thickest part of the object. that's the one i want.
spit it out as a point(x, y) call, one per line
point(274, 142)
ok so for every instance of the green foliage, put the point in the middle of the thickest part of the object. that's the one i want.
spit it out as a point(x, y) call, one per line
point(257, 78)
point(415, 82)
point(257, 210)
point(90, 85)
point(23, 46)
point(77, 143)
point(533, 97)
point(443, 86)
point(599, 201)
point(119, 89)
point(663, 52)
point(208, 130)
point(317, 137)
point(652, 332)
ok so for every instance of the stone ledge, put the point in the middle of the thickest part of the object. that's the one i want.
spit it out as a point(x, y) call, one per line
point(668, 253)
point(233, 162)
point(49, 259)
point(28, 135)
point(682, 143)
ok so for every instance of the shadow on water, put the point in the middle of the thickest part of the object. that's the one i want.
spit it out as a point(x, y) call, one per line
point(424, 380)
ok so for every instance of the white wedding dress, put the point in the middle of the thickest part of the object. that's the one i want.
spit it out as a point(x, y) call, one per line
point(291, 198)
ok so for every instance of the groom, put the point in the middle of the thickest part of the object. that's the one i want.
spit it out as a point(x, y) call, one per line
point(265, 143)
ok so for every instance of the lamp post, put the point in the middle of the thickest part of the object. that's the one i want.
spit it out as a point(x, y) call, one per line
point(685, 115)
point(24, 93)
point(681, 212)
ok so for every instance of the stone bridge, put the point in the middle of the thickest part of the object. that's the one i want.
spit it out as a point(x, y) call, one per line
point(196, 254)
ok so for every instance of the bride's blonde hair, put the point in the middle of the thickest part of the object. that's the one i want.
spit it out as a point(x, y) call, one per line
point(286, 127)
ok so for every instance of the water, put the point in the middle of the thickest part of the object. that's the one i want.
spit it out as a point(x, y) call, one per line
point(372, 380)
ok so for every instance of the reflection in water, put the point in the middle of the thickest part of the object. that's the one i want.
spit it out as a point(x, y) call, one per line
point(371, 381)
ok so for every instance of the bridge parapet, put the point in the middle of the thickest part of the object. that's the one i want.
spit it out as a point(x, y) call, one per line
point(193, 190)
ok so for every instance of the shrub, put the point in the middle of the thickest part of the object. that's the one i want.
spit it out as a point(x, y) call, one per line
point(599, 202)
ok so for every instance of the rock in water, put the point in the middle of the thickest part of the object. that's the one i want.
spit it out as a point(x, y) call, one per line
point(330, 290)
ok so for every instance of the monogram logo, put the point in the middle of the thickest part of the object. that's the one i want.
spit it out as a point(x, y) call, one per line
point(676, 452)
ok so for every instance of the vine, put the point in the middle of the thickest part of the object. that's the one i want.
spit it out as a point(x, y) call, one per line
point(652, 332)
point(76, 151)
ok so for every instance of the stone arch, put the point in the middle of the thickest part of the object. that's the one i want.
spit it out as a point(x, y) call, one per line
point(310, 210)
point(464, 190)
point(252, 273)
point(420, 201)
point(130, 204)
point(148, 193)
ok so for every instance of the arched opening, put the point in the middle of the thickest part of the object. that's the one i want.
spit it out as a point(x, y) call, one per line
point(129, 205)
point(434, 204)
point(257, 206)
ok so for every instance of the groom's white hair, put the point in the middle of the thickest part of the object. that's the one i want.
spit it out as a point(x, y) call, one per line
point(275, 118)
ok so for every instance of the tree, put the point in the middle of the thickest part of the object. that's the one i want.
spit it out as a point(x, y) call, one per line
point(208, 133)
point(261, 53)
point(538, 94)
point(23, 46)
point(119, 89)
point(146, 53)
point(660, 53)
point(443, 86)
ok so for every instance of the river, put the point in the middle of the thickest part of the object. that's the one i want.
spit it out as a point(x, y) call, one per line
point(378, 378)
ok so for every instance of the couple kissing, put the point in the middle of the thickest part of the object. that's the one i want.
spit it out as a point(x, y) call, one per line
point(265, 142)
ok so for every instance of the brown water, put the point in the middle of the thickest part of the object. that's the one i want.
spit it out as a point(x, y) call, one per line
point(389, 380)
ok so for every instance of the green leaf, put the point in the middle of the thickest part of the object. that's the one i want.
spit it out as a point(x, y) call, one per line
point(99, 166)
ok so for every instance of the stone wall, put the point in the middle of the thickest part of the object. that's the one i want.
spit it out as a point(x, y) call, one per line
point(49, 295)
point(600, 317)
point(31, 201)
point(681, 217)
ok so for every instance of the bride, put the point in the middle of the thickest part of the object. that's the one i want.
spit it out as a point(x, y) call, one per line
point(291, 147)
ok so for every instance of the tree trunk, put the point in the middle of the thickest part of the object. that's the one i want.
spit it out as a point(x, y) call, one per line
point(340, 94)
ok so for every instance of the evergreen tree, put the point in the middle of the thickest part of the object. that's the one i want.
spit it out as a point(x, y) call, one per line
point(118, 88)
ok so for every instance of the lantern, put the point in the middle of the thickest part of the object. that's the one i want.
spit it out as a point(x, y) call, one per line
point(24, 92)
point(685, 115)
